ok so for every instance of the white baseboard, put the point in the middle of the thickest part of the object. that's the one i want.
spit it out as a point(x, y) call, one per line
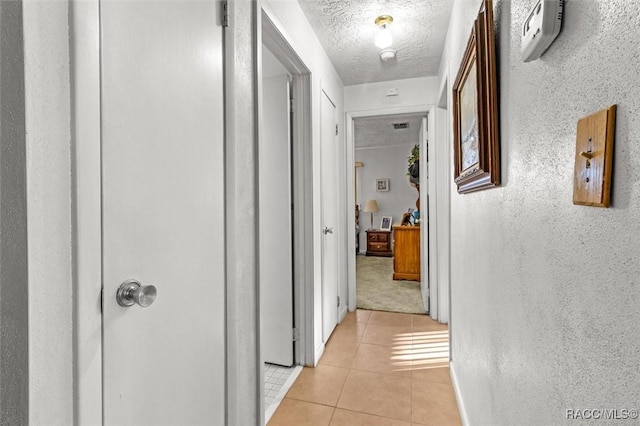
point(318, 353)
point(461, 408)
point(343, 313)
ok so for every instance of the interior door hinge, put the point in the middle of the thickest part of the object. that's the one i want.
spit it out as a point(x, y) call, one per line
point(338, 301)
point(296, 335)
point(101, 300)
point(336, 130)
point(225, 13)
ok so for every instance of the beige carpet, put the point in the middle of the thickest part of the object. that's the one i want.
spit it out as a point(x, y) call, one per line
point(376, 289)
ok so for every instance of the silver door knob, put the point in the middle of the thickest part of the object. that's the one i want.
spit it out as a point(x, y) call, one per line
point(327, 230)
point(131, 292)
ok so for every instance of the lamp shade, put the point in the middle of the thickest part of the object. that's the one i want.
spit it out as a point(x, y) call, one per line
point(371, 206)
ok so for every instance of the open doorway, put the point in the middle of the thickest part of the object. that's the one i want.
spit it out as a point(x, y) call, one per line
point(285, 182)
point(388, 205)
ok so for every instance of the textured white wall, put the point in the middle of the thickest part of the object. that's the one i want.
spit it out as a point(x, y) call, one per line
point(14, 313)
point(46, 39)
point(545, 294)
point(413, 92)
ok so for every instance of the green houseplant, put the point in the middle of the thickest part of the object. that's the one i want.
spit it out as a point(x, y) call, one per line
point(413, 165)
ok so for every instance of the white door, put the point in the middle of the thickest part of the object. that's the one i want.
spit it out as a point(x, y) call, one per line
point(425, 203)
point(276, 264)
point(329, 182)
point(163, 205)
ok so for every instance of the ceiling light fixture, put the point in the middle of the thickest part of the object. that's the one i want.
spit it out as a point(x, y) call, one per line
point(384, 38)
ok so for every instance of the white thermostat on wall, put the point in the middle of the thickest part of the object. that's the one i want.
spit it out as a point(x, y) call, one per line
point(541, 28)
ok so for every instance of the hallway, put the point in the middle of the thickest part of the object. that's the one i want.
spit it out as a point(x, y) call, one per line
point(378, 368)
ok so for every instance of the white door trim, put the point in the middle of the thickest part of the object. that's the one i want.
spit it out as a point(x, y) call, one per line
point(245, 382)
point(428, 238)
point(302, 180)
point(444, 190)
point(86, 167)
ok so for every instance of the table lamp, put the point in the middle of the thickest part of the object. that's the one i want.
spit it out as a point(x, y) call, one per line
point(371, 207)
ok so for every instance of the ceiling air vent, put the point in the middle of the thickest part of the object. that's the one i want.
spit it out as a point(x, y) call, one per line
point(404, 125)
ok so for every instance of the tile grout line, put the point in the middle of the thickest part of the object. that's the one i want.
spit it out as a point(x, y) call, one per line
point(350, 369)
point(413, 344)
point(412, 361)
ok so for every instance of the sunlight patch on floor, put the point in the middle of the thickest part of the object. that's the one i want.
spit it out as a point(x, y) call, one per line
point(422, 350)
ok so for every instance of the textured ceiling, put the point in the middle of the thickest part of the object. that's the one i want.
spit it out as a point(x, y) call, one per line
point(347, 32)
point(373, 132)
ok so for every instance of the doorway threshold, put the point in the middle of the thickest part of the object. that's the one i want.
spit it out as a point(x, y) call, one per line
point(277, 382)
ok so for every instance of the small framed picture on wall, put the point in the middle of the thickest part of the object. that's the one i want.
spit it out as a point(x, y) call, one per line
point(382, 185)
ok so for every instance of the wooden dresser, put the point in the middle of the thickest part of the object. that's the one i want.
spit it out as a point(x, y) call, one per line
point(379, 243)
point(406, 263)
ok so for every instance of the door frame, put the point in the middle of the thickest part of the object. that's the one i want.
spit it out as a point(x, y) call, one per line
point(302, 183)
point(444, 189)
point(351, 221)
point(428, 238)
point(86, 183)
point(244, 389)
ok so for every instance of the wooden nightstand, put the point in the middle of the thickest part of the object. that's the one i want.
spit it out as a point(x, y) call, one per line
point(379, 243)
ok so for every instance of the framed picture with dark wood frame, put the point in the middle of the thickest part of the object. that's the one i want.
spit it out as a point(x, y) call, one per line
point(475, 110)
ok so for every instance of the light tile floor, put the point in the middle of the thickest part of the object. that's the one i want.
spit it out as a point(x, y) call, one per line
point(378, 369)
point(277, 381)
